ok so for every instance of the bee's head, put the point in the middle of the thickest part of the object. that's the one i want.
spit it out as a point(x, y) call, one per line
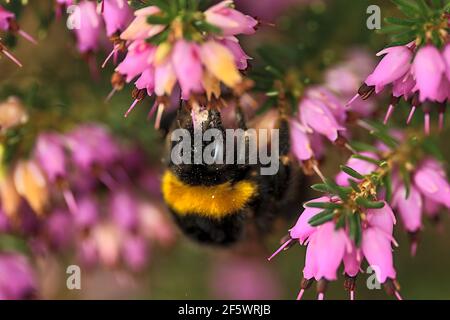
point(198, 149)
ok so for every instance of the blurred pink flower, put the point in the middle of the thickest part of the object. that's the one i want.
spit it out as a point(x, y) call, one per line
point(428, 69)
point(240, 278)
point(135, 253)
point(8, 23)
point(229, 20)
point(301, 144)
point(117, 15)
point(410, 208)
point(90, 25)
point(316, 116)
point(123, 208)
point(17, 278)
point(50, 155)
point(430, 180)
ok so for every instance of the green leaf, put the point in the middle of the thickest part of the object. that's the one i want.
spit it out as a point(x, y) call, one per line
point(206, 27)
point(406, 177)
point(351, 172)
point(367, 159)
point(408, 8)
point(392, 29)
point(400, 22)
point(160, 37)
point(386, 139)
point(387, 182)
point(320, 187)
point(342, 192)
point(158, 20)
point(423, 7)
point(13, 243)
point(321, 218)
point(162, 4)
point(355, 228)
point(361, 146)
point(340, 223)
point(368, 204)
point(354, 185)
point(323, 205)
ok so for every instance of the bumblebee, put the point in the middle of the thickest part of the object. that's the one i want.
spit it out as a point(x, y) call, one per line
point(221, 204)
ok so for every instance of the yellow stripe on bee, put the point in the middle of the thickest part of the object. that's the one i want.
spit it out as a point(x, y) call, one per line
point(207, 201)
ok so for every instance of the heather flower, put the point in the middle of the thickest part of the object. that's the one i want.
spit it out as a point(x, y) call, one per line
point(117, 14)
point(87, 214)
point(123, 209)
point(394, 65)
point(135, 63)
point(90, 25)
point(100, 150)
point(11, 199)
point(301, 144)
point(135, 253)
point(220, 63)
point(139, 29)
point(410, 207)
point(419, 75)
point(428, 69)
point(430, 180)
point(317, 117)
point(345, 78)
point(17, 278)
point(50, 155)
point(154, 224)
point(107, 239)
point(446, 56)
point(12, 114)
point(9, 23)
point(325, 251)
point(329, 245)
point(229, 20)
point(188, 68)
point(333, 103)
point(59, 229)
point(196, 63)
point(31, 184)
point(241, 58)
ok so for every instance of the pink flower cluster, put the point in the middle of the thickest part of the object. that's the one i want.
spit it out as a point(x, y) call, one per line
point(328, 247)
point(418, 74)
point(88, 22)
point(90, 200)
point(428, 193)
point(195, 66)
point(320, 114)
